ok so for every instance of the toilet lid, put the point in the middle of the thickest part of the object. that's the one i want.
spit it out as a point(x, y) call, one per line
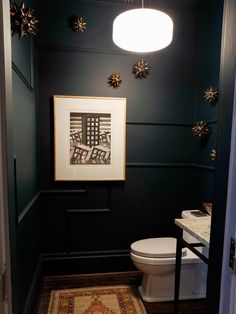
point(156, 247)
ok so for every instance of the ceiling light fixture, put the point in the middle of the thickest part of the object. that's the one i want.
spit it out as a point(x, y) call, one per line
point(142, 30)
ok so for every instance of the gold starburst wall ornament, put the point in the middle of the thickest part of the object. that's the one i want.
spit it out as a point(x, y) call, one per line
point(201, 130)
point(22, 20)
point(115, 80)
point(213, 154)
point(78, 24)
point(141, 69)
point(211, 95)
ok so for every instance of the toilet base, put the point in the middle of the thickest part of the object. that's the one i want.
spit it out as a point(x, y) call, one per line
point(149, 299)
point(159, 288)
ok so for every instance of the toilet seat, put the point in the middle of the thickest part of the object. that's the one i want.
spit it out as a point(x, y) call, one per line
point(156, 248)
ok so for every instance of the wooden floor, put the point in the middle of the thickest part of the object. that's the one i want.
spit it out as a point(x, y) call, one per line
point(130, 278)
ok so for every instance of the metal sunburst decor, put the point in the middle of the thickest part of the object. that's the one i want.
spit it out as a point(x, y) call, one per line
point(211, 95)
point(213, 154)
point(115, 80)
point(78, 24)
point(141, 69)
point(201, 129)
point(22, 20)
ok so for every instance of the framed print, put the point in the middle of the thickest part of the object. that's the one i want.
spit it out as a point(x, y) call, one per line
point(89, 138)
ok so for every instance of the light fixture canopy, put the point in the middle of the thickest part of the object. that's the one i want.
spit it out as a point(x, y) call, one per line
point(142, 30)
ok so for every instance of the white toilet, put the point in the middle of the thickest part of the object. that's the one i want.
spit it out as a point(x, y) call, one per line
point(155, 257)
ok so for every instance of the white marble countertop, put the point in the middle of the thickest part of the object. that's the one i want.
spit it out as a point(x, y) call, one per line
point(198, 227)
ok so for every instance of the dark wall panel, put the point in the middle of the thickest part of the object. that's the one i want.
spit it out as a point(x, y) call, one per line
point(22, 57)
point(202, 148)
point(27, 225)
point(25, 141)
point(205, 185)
point(113, 218)
point(58, 207)
point(68, 72)
point(56, 30)
point(28, 256)
point(158, 143)
point(207, 75)
point(208, 58)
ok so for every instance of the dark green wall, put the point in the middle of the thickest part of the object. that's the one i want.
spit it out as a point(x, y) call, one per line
point(207, 75)
point(25, 227)
point(167, 170)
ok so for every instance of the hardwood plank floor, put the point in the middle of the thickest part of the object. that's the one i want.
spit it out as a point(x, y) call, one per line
point(130, 278)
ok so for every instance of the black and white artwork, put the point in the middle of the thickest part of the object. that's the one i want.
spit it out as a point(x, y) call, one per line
point(90, 138)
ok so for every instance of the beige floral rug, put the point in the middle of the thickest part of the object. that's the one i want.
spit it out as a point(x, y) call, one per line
point(96, 300)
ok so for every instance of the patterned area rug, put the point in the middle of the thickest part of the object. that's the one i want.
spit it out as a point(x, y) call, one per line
point(96, 300)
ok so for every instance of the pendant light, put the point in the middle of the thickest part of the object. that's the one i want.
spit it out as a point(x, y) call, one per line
point(142, 30)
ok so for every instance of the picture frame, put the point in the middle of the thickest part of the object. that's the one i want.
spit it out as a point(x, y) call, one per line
point(89, 138)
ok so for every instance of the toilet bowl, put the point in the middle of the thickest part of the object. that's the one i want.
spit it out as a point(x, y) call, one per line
point(155, 257)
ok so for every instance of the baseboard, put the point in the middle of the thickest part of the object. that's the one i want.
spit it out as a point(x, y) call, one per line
point(86, 264)
point(63, 282)
point(32, 297)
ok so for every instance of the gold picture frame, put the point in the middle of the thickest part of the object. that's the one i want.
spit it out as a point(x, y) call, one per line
point(89, 138)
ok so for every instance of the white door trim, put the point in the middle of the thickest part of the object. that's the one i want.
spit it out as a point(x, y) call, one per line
point(228, 278)
point(5, 98)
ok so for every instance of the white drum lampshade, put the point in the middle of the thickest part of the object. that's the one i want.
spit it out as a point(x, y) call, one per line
point(142, 30)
